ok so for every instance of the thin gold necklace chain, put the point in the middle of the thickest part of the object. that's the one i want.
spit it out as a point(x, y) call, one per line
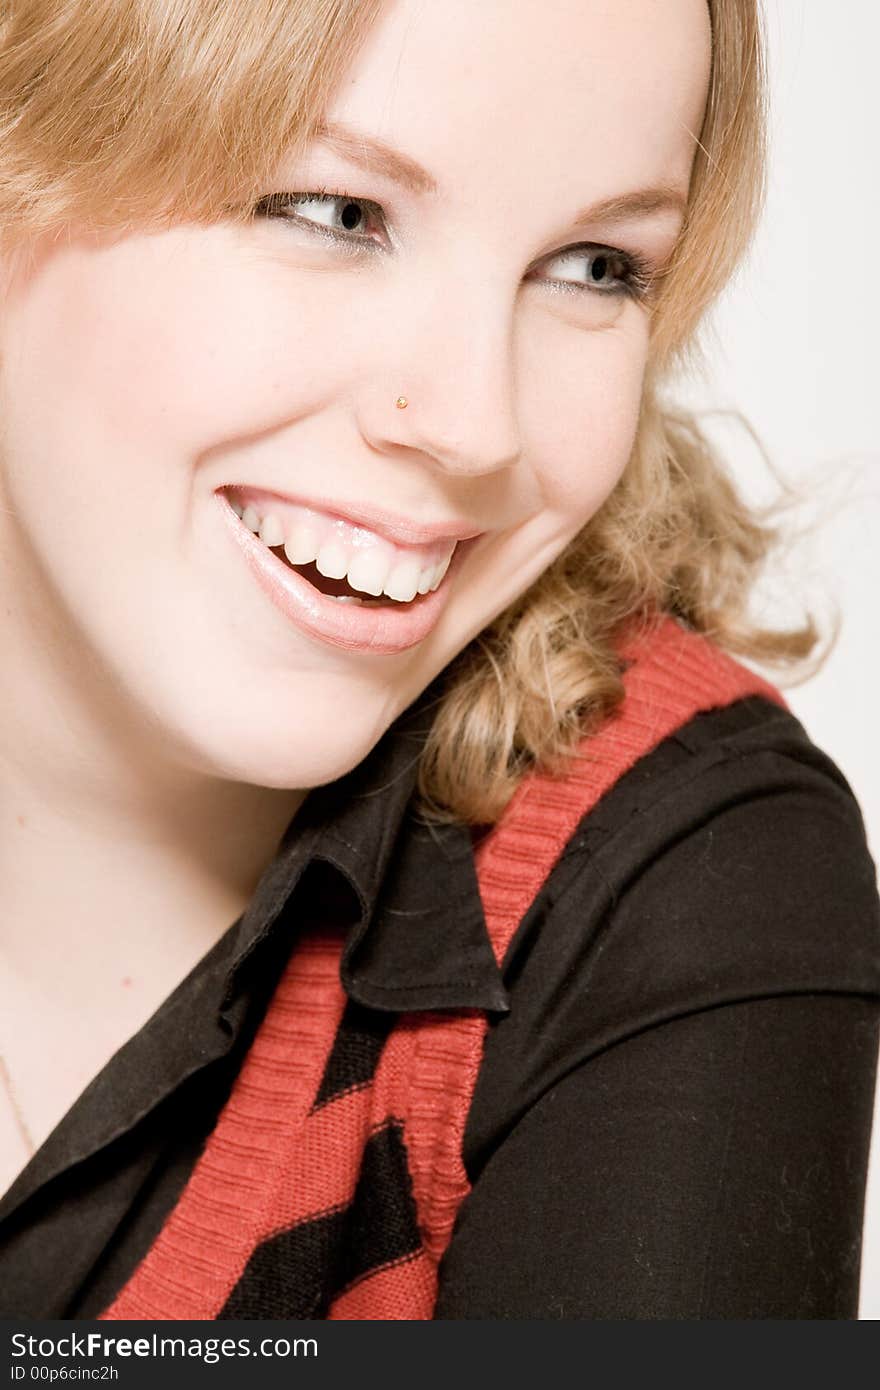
point(16, 1108)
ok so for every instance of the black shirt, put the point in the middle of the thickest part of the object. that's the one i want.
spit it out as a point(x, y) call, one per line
point(673, 1114)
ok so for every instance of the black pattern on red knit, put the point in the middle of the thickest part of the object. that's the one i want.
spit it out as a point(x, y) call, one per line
point(355, 1052)
point(298, 1273)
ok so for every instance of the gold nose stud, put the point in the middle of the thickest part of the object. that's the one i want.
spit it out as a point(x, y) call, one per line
point(401, 402)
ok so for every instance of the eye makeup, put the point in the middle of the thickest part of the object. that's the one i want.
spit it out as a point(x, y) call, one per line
point(632, 275)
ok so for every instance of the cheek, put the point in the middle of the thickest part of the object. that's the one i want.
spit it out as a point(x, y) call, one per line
point(163, 345)
point(584, 415)
point(186, 361)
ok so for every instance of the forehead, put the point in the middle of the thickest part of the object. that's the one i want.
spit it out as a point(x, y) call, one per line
point(527, 88)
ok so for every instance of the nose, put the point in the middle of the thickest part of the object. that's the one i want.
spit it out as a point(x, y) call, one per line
point(445, 388)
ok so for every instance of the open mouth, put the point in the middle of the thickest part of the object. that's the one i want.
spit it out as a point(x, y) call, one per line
point(341, 559)
point(338, 580)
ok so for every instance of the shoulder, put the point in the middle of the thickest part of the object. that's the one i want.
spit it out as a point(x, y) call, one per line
point(730, 860)
point(729, 863)
point(703, 806)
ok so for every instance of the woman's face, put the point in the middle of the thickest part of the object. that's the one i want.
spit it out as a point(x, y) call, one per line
point(151, 381)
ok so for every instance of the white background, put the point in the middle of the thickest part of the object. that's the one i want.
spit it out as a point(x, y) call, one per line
point(794, 347)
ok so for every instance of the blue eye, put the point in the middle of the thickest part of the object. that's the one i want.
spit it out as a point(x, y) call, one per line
point(343, 219)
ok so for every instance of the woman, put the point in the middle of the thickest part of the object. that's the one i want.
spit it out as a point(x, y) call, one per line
point(340, 507)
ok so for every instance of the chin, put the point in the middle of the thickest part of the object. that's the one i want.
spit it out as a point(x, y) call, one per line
point(306, 744)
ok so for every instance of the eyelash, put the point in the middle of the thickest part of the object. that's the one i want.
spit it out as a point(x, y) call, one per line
point(634, 282)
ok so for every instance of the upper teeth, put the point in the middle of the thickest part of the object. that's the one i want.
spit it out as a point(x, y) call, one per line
point(343, 550)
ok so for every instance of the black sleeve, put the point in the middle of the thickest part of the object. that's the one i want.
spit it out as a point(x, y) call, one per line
point(712, 1166)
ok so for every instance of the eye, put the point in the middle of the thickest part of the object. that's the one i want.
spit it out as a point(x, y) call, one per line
point(603, 270)
point(336, 216)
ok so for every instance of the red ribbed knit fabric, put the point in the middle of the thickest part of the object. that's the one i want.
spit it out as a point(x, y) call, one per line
point(278, 1163)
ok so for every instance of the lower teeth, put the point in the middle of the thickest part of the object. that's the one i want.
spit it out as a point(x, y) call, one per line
point(363, 602)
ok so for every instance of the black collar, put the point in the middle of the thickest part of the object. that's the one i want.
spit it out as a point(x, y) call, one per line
point(356, 854)
point(408, 892)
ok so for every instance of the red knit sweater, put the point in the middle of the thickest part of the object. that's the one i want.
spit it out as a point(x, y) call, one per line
point(283, 1162)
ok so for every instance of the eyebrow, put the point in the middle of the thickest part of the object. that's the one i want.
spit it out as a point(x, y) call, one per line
point(378, 157)
point(375, 156)
point(643, 202)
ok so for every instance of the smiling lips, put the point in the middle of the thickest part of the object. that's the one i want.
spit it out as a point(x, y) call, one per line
point(343, 550)
point(318, 568)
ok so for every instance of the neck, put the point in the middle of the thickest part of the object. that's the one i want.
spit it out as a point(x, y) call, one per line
point(121, 865)
point(121, 877)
